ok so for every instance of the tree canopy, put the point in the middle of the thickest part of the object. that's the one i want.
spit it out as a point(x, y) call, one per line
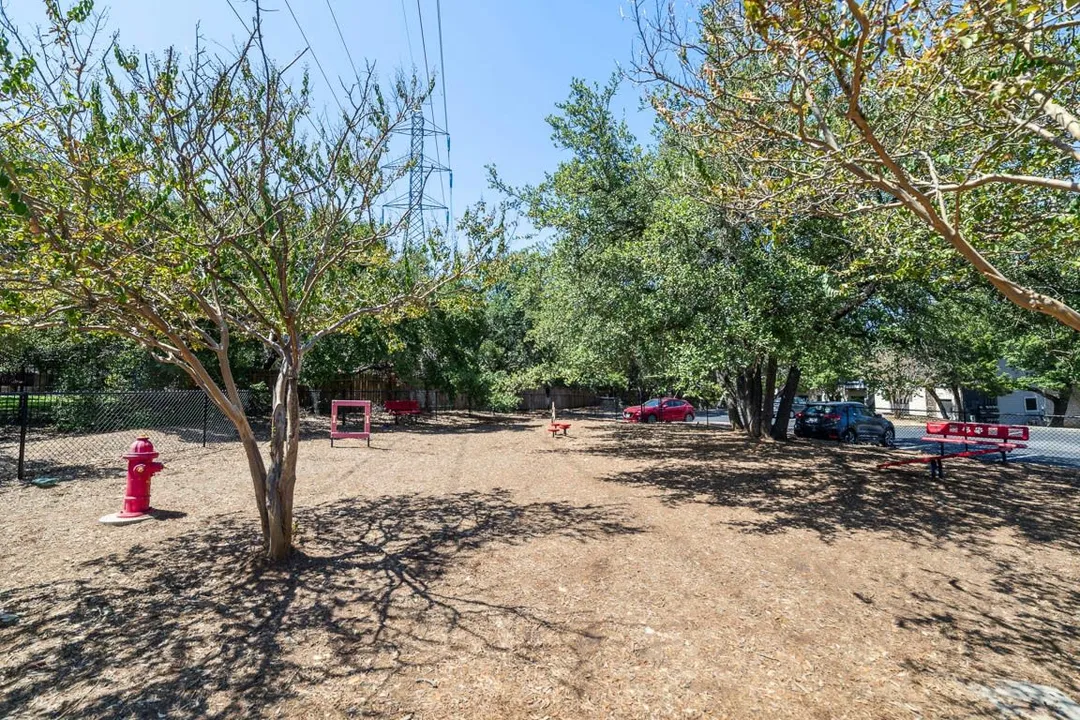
point(185, 203)
point(960, 118)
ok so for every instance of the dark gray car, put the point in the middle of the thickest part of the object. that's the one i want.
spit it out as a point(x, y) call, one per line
point(843, 421)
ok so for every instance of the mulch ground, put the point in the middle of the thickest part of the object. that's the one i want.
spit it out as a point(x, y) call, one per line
point(485, 570)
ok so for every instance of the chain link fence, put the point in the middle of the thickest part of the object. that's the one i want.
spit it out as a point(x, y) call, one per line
point(706, 413)
point(317, 400)
point(1054, 439)
point(64, 434)
point(84, 434)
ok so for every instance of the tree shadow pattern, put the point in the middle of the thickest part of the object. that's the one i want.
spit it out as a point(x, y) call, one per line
point(832, 489)
point(1025, 619)
point(197, 626)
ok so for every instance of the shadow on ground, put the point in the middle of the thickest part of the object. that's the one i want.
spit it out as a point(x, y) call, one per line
point(195, 626)
point(1024, 620)
point(832, 489)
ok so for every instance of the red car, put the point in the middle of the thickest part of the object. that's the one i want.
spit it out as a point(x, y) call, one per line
point(666, 409)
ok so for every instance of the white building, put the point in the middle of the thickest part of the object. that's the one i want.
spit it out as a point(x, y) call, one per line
point(1020, 407)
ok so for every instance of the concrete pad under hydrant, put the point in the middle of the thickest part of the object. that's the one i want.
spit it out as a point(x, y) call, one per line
point(120, 519)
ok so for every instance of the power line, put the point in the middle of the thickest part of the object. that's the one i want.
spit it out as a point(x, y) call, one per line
point(430, 100)
point(415, 202)
point(408, 35)
point(231, 7)
point(423, 39)
point(446, 115)
point(344, 44)
point(316, 57)
point(442, 67)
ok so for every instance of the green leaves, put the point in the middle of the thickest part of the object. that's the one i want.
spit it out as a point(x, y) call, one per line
point(977, 99)
point(80, 11)
point(183, 201)
point(14, 200)
point(15, 72)
point(648, 283)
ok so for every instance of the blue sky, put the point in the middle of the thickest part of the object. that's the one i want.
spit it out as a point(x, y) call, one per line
point(507, 61)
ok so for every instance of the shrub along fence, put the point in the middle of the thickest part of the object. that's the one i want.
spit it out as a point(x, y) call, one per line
point(317, 401)
point(49, 433)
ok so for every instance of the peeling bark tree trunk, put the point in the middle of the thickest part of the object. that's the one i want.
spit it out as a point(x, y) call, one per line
point(257, 468)
point(281, 478)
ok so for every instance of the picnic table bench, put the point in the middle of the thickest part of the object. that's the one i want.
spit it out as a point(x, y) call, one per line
point(976, 439)
point(403, 409)
point(555, 427)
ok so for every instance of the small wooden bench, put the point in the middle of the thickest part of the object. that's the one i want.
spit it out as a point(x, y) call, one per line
point(976, 439)
point(403, 409)
point(554, 428)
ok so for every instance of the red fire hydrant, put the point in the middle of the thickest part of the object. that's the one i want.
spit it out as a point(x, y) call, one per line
point(141, 469)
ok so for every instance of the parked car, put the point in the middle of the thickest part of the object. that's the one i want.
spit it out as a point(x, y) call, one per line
point(660, 409)
point(797, 404)
point(843, 421)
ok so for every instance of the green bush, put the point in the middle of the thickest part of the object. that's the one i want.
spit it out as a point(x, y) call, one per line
point(259, 400)
point(74, 413)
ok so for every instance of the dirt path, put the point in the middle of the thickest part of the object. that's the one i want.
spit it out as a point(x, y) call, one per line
point(488, 571)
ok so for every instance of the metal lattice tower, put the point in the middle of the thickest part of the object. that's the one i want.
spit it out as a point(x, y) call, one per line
point(416, 204)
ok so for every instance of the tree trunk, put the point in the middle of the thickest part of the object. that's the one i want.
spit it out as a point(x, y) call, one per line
point(770, 393)
point(281, 479)
point(748, 386)
point(959, 407)
point(1061, 406)
point(787, 399)
point(941, 406)
point(257, 468)
point(734, 414)
point(756, 403)
point(732, 402)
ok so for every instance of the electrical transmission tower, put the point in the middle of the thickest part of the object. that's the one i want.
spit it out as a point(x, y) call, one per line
point(416, 204)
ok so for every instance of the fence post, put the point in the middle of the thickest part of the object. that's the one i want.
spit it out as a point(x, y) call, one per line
point(24, 421)
point(205, 415)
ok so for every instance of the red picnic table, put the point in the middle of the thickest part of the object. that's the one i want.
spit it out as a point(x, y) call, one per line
point(403, 409)
point(555, 427)
point(976, 439)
